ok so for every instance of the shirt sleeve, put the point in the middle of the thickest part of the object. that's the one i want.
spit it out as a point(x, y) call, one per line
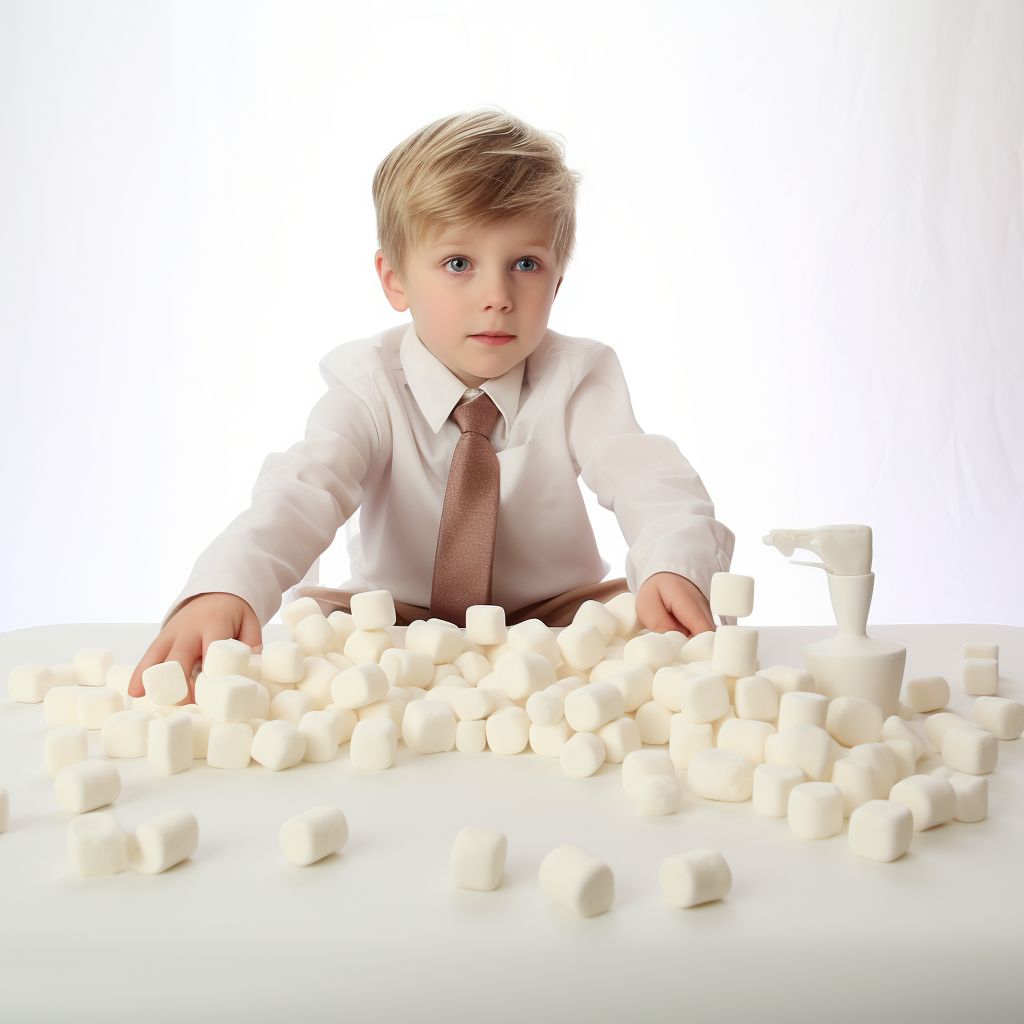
point(662, 507)
point(300, 499)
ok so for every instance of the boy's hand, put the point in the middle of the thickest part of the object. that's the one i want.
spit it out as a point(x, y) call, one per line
point(667, 601)
point(192, 628)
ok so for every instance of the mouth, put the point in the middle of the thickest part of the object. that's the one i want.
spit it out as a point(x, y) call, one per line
point(493, 337)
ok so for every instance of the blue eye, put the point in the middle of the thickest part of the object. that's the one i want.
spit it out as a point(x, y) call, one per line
point(528, 259)
point(457, 259)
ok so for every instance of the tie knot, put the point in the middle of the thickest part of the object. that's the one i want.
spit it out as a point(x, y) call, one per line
point(477, 416)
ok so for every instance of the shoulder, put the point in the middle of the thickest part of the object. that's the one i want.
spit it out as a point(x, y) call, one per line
point(566, 355)
point(352, 361)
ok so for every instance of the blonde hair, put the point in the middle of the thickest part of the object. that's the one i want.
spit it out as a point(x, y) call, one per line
point(475, 167)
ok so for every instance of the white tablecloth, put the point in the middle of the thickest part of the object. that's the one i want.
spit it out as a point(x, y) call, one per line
point(809, 931)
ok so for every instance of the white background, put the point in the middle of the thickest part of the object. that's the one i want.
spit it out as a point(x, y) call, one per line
point(800, 228)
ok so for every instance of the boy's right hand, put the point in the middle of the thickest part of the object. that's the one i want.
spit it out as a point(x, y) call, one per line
point(193, 627)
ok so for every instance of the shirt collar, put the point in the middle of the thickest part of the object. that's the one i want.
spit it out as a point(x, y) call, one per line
point(437, 390)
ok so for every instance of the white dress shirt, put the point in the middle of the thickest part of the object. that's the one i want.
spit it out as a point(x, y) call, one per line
point(381, 440)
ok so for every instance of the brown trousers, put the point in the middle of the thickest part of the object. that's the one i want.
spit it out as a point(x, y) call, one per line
point(554, 611)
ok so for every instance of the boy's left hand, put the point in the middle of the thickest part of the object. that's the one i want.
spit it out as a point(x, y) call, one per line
point(667, 601)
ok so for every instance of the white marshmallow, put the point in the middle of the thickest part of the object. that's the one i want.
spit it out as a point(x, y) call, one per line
point(441, 645)
point(655, 650)
point(548, 740)
point(600, 616)
point(699, 876)
point(732, 594)
point(313, 835)
point(290, 706)
point(581, 645)
point(390, 706)
point(118, 678)
point(374, 745)
point(971, 792)
point(545, 707)
point(788, 680)
point(477, 859)
point(623, 607)
point(165, 683)
point(292, 614)
point(347, 719)
point(593, 705)
point(126, 734)
point(653, 722)
point(97, 845)
point(745, 737)
point(720, 775)
point(815, 810)
point(1001, 717)
point(492, 652)
point(895, 728)
point(523, 673)
point(687, 739)
point(443, 673)
point(447, 692)
point(810, 748)
point(633, 678)
point(60, 705)
point(338, 660)
point(407, 668)
point(534, 637)
point(850, 721)
point(756, 699)
point(735, 651)
point(639, 764)
point(471, 736)
point(224, 658)
point(262, 701)
point(931, 800)
point(703, 698)
point(980, 649)
point(229, 698)
point(970, 750)
point(936, 726)
point(282, 662)
point(373, 609)
point(317, 676)
point(771, 788)
point(28, 684)
point(658, 795)
point(366, 647)
point(90, 666)
point(343, 626)
point(905, 711)
point(581, 755)
point(929, 693)
point(577, 880)
point(485, 624)
point(883, 764)
point(665, 686)
point(169, 744)
point(278, 745)
point(254, 668)
point(700, 647)
point(65, 745)
point(163, 841)
point(679, 641)
point(359, 685)
point(95, 704)
point(473, 666)
point(620, 737)
point(202, 726)
point(881, 830)
point(86, 785)
point(797, 707)
point(229, 745)
point(903, 752)
point(428, 727)
point(472, 704)
point(508, 731)
point(856, 781)
point(980, 676)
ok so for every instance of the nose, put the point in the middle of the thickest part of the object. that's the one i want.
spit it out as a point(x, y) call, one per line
point(496, 292)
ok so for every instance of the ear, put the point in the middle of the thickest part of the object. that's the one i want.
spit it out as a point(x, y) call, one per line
point(390, 283)
point(557, 286)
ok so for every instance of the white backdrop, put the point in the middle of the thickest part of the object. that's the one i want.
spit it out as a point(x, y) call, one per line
point(800, 228)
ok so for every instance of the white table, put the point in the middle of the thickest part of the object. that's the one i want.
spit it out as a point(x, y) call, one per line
point(377, 933)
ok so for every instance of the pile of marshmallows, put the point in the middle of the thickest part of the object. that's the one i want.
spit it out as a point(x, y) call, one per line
point(593, 692)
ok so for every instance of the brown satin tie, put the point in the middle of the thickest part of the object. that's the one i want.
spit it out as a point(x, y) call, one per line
point(464, 558)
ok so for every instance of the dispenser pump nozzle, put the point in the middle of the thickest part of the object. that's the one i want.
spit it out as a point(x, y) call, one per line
point(844, 550)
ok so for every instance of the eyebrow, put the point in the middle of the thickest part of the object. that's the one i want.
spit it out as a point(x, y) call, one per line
point(537, 243)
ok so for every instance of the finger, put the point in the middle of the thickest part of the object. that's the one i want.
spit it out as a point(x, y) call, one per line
point(154, 655)
point(657, 617)
point(689, 613)
point(186, 651)
point(250, 632)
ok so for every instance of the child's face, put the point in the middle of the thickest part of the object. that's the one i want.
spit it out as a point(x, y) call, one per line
point(465, 281)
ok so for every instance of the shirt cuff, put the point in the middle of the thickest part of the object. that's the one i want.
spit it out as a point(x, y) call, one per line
point(698, 573)
point(263, 605)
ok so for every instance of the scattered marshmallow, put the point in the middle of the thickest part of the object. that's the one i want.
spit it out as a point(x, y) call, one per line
point(28, 684)
point(903, 752)
point(881, 830)
point(970, 791)
point(347, 720)
point(407, 668)
point(313, 835)
point(317, 676)
point(655, 650)
point(278, 744)
point(290, 706)
point(125, 734)
point(229, 745)
point(292, 614)
point(856, 781)
point(362, 684)
point(441, 645)
point(810, 748)
point(905, 711)
point(471, 736)
point(202, 726)
point(620, 737)
point(658, 795)
point(581, 755)
point(1001, 717)
point(508, 731)
point(477, 859)
point(374, 745)
point(95, 704)
point(90, 666)
point(373, 609)
point(700, 647)
point(928, 693)
point(535, 637)
point(548, 740)
point(936, 726)
point(895, 728)
point(815, 810)
point(390, 706)
point(931, 800)
point(282, 662)
point(703, 697)
point(720, 775)
point(687, 739)
point(589, 707)
point(343, 627)
point(980, 676)
point(971, 751)
point(696, 877)
point(443, 673)
point(581, 645)
point(850, 720)
point(473, 666)
point(735, 651)
point(428, 727)
point(623, 607)
point(65, 745)
point(799, 707)
point(485, 624)
point(639, 764)
point(223, 658)
point(665, 687)
point(97, 845)
point(745, 737)
point(228, 698)
point(883, 764)
point(788, 680)
point(367, 646)
point(523, 673)
point(86, 785)
point(60, 705)
point(756, 698)
point(633, 678)
point(772, 784)
point(577, 880)
point(601, 616)
point(653, 722)
point(732, 594)
point(980, 649)
point(164, 841)
point(169, 744)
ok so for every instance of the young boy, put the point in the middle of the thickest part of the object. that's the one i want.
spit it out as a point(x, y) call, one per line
point(462, 435)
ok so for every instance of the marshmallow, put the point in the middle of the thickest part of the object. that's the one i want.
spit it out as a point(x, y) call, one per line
point(797, 707)
point(970, 791)
point(60, 705)
point(665, 687)
point(90, 666)
point(936, 726)
point(523, 673)
point(545, 707)
point(508, 731)
point(443, 673)
point(720, 775)
point(317, 676)
point(291, 705)
point(169, 744)
point(65, 745)
point(598, 615)
point(771, 788)
point(745, 737)
point(658, 795)
point(313, 835)
point(338, 660)
point(95, 704)
point(881, 830)
point(347, 720)
point(620, 737)
point(581, 755)
point(1001, 717)
point(118, 678)
point(931, 800)
point(895, 728)
point(126, 734)
point(905, 711)
point(534, 637)
point(477, 859)
point(428, 727)
point(359, 685)
point(980, 676)
point(253, 723)
point(229, 745)
point(655, 650)
point(703, 698)
point(815, 810)
point(365, 647)
point(374, 745)
point(390, 706)
point(883, 764)
point(788, 680)
point(292, 614)
point(471, 736)
point(164, 841)
point(980, 649)
point(224, 658)
point(473, 666)
point(903, 752)
point(278, 744)
point(653, 722)
point(202, 726)
point(700, 647)
point(581, 645)
point(623, 607)
point(593, 705)
point(732, 594)
point(229, 698)
point(577, 880)
point(28, 684)
point(373, 609)
point(97, 845)
point(86, 785)
point(850, 721)
point(633, 678)
point(756, 699)
point(971, 751)
point(678, 639)
point(687, 739)
point(700, 876)
point(472, 704)
point(165, 683)
point(492, 652)
point(735, 651)
point(282, 662)
point(485, 624)
point(407, 668)
point(441, 645)
point(856, 781)
point(548, 740)
point(809, 747)
point(254, 668)
point(343, 626)
point(929, 693)
point(639, 764)
point(262, 701)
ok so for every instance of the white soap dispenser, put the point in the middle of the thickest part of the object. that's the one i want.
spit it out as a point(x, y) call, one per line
point(851, 664)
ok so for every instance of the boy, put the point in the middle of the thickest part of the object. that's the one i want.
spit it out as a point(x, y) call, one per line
point(462, 435)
